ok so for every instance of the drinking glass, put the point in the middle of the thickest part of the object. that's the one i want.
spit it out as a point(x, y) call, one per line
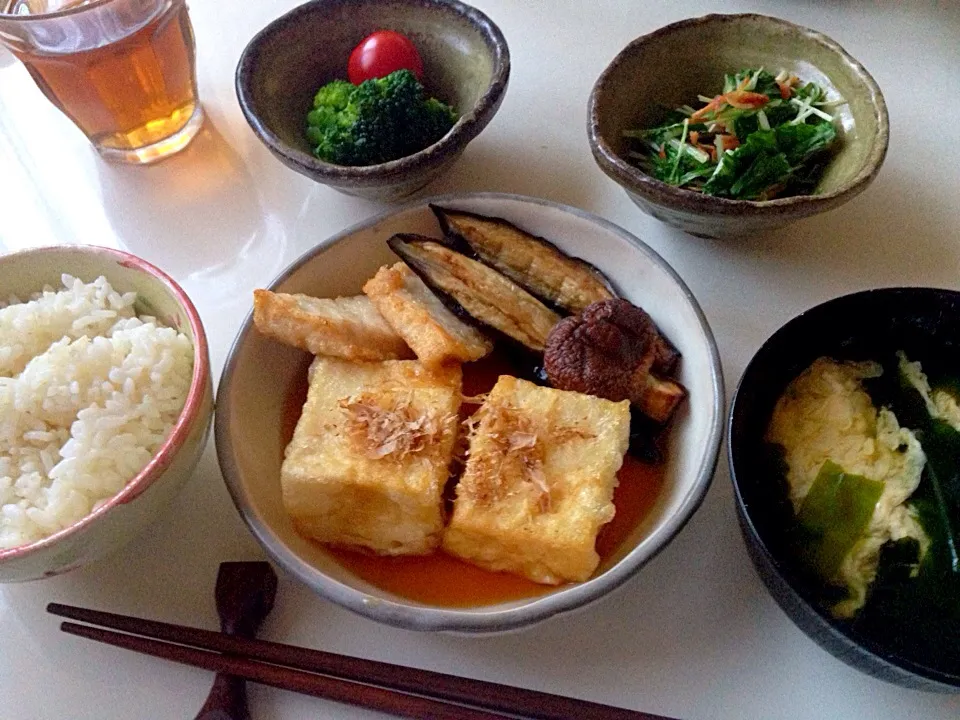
point(124, 71)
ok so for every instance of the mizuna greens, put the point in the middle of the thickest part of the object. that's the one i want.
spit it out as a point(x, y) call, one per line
point(763, 137)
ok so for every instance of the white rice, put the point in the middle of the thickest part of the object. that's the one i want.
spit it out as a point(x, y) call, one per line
point(88, 394)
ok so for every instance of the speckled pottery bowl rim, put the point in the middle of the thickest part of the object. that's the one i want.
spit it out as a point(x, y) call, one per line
point(635, 180)
point(430, 618)
point(469, 125)
point(189, 415)
point(881, 655)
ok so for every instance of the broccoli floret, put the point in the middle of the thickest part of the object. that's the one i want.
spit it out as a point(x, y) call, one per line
point(335, 95)
point(376, 121)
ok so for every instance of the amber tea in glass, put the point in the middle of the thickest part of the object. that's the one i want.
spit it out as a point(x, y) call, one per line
point(123, 71)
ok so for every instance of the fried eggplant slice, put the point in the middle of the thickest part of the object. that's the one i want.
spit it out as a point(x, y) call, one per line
point(532, 262)
point(477, 291)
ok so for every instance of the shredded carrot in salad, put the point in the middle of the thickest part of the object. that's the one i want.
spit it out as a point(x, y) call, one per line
point(761, 137)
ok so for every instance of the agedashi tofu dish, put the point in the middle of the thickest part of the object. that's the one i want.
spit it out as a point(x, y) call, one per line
point(488, 402)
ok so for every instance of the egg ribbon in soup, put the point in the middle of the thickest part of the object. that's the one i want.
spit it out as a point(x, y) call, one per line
point(850, 470)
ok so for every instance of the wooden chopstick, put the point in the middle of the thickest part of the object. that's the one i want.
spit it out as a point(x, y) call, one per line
point(285, 678)
point(448, 688)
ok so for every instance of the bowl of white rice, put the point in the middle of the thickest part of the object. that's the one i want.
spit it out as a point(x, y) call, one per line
point(105, 404)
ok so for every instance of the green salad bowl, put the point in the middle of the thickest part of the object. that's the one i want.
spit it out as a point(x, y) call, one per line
point(634, 92)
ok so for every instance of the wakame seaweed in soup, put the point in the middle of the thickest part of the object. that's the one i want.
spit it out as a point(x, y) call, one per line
point(914, 607)
point(912, 602)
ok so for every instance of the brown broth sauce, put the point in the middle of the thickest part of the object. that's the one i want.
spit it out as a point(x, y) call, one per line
point(440, 579)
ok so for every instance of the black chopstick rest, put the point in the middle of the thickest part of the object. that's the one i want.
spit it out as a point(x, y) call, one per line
point(245, 594)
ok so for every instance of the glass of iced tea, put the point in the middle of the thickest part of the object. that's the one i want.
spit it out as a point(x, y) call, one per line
point(123, 71)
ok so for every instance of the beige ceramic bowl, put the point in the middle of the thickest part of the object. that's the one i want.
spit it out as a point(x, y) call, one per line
point(466, 63)
point(121, 518)
point(672, 65)
point(253, 406)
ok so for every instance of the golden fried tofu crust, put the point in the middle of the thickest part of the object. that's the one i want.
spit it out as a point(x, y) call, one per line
point(436, 335)
point(370, 455)
point(539, 481)
point(344, 327)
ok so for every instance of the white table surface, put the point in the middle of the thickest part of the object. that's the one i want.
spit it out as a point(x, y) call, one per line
point(695, 634)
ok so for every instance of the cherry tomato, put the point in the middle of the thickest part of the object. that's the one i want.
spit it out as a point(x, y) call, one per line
point(382, 53)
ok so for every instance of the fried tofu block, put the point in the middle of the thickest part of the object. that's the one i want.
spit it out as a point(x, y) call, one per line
point(345, 327)
point(370, 455)
point(436, 335)
point(539, 481)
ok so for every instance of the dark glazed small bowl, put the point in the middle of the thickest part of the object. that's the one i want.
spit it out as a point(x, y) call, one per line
point(634, 90)
point(922, 322)
point(466, 64)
